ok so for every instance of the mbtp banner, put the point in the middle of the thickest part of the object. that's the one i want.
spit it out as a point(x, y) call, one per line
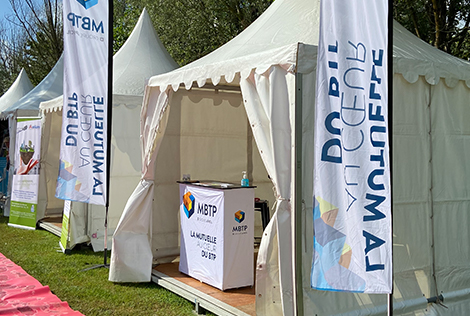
point(352, 194)
point(82, 172)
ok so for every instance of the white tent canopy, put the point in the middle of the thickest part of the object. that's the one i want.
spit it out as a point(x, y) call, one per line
point(273, 62)
point(413, 58)
point(141, 56)
point(17, 90)
point(272, 39)
point(49, 88)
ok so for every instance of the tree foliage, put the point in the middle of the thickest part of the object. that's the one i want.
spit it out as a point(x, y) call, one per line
point(444, 24)
point(32, 37)
point(11, 55)
point(189, 29)
point(40, 41)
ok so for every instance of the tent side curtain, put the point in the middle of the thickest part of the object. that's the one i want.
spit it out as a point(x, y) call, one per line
point(131, 258)
point(430, 208)
point(413, 281)
point(268, 103)
point(450, 147)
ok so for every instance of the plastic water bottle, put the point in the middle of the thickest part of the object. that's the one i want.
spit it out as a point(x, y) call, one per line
point(245, 182)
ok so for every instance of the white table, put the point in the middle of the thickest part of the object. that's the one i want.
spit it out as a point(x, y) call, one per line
point(217, 232)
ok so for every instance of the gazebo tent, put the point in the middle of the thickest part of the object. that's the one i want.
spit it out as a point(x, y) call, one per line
point(49, 88)
point(17, 90)
point(141, 56)
point(28, 106)
point(193, 122)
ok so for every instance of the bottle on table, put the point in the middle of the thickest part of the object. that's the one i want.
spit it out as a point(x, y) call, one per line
point(245, 182)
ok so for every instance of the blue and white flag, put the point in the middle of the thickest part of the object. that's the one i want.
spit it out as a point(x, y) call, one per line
point(352, 194)
point(82, 173)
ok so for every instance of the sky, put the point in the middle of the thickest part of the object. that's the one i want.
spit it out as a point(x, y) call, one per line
point(5, 8)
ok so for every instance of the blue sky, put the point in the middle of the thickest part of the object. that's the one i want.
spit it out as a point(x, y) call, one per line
point(5, 8)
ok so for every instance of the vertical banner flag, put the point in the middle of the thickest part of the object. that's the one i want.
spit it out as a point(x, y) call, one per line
point(352, 199)
point(82, 172)
point(24, 192)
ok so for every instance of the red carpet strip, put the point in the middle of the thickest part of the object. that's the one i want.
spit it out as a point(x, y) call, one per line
point(21, 294)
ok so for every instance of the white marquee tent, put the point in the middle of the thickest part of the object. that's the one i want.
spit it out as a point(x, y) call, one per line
point(267, 74)
point(49, 88)
point(142, 56)
point(28, 106)
point(17, 90)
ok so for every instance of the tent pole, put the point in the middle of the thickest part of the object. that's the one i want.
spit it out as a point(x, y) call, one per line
point(110, 123)
point(108, 135)
point(298, 275)
point(390, 134)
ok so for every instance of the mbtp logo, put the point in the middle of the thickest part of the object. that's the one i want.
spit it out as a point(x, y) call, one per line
point(88, 3)
point(240, 216)
point(188, 204)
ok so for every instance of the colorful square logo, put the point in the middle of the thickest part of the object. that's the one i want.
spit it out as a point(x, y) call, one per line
point(188, 203)
point(88, 3)
point(240, 216)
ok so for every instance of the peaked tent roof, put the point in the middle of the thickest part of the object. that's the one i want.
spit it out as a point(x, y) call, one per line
point(413, 57)
point(49, 88)
point(273, 39)
point(17, 90)
point(142, 56)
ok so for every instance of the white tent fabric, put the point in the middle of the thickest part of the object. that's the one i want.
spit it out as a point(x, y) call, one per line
point(259, 46)
point(17, 90)
point(28, 106)
point(141, 56)
point(414, 58)
point(266, 95)
point(49, 88)
point(276, 74)
point(132, 245)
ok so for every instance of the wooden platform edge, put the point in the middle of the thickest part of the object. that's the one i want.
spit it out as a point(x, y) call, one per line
point(197, 297)
point(50, 228)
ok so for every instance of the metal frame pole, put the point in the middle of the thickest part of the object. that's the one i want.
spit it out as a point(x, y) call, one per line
point(298, 276)
point(390, 132)
point(108, 131)
point(109, 122)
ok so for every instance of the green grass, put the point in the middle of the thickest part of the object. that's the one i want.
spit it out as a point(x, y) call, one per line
point(88, 292)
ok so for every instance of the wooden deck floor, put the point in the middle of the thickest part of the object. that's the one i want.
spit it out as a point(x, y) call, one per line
point(52, 224)
point(242, 299)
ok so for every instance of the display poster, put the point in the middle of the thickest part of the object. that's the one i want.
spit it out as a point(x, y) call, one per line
point(352, 194)
point(217, 235)
point(82, 170)
point(25, 185)
point(64, 235)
